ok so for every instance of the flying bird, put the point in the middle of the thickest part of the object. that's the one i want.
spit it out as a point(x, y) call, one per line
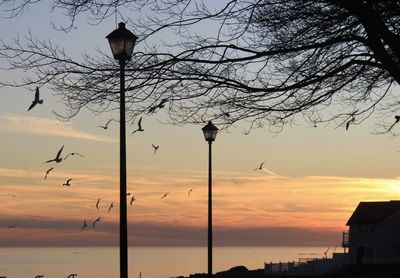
point(73, 155)
point(111, 206)
point(106, 126)
point(11, 227)
point(139, 126)
point(155, 148)
point(226, 114)
point(36, 100)
point(260, 167)
point(47, 172)
point(396, 120)
point(95, 221)
point(191, 189)
point(350, 122)
point(67, 183)
point(84, 225)
point(132, 199)
point(159, 106)
point(97, 204)
point(246, 132)
point(165, 195)
point(58, 158)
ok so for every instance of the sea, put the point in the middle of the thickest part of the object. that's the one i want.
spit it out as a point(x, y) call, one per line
point(144, 262)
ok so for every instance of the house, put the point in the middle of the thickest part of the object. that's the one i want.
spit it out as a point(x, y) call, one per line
point(374, 233)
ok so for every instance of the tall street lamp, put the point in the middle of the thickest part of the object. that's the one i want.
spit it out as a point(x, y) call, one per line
point(210, 133)
point(122, 42)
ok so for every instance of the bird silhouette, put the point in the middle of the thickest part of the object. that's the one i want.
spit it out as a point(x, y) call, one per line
point(36, 100)
point(155, 148)
point(84, 225)
point(246, 132)
point(260, 167)
point(97, 204)
point(11, 226)
point(226, 114)
point(67, 183)
point(72, 275)
point(105, 126)
point(95, 221)
point(111, 206)
point(132, 199)
point(47, 172)
point(139, 126)
point(159, 106)
point(58, 158)
point(191, 189)
point(73, 155)
point(396, 120)
point(165, 195)
point(350, 122)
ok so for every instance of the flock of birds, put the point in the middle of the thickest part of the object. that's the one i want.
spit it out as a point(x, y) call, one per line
point(59, 158)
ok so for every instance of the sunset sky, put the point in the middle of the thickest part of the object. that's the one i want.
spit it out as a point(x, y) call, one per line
point(315, 177)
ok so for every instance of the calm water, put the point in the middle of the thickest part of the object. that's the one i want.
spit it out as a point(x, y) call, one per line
point(152, 262)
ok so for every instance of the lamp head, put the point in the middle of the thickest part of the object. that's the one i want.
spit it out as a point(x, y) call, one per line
point(122, 42)
point(210, 132)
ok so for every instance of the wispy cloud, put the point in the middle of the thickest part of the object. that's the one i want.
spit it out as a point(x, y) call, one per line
point(44, 126)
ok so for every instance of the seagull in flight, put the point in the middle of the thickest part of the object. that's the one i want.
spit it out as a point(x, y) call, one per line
point(111, 206)
point(139, 126)
point(73, 155)
point(349, 122)
point(165, 195)
point(106, 126)
point(58, 158)
point(36, 100)
point(260, 167)
point(191, 189)
point(67, 183)
point(95, 221)
point(159, 106)
point(97, 204)
point(396, 120)
point(132, 199)
point(155, 148)
point(84, 225)
point(47, 172)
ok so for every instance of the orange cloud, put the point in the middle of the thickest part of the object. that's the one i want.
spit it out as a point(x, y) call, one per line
point(308, 205)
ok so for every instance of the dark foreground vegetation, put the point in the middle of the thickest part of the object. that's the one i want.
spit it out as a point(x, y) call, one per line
point(371, 271)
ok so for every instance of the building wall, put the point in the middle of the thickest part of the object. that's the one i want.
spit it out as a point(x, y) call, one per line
point(381, 243)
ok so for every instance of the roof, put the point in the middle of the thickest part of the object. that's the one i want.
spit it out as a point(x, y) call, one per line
point(368, 213)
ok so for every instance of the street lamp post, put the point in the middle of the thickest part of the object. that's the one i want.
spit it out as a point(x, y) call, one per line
point(210, 133)
point(122, 42)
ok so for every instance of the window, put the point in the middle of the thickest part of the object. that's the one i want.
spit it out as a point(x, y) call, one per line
point(370, 229)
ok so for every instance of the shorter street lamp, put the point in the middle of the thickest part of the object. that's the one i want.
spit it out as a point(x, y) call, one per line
point(122, 42)
point(210, 133)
